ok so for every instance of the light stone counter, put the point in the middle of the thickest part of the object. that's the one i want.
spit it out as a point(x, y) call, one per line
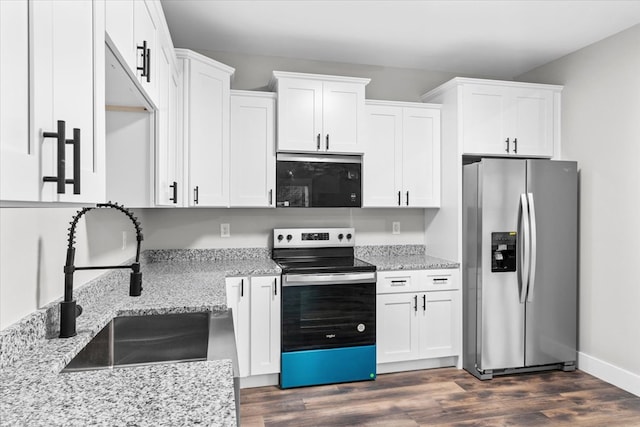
point(35, 393)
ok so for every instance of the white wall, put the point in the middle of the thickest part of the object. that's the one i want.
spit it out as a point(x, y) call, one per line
point(253, 72)
point(601, 130)
point(33, 249)
point(200, 228)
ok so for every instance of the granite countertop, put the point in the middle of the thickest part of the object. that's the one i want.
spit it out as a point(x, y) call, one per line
point(35, 393)
point(408, 262)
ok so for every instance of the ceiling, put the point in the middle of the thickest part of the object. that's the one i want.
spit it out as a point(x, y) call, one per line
point(502, 39)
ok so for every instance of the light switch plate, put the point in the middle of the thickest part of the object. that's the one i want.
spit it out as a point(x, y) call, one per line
point(225, 230)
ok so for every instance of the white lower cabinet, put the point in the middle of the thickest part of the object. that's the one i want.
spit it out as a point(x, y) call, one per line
point(418, 315)
point(255, 306)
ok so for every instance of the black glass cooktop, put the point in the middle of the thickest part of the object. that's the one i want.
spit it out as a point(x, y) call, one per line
point(324, 265)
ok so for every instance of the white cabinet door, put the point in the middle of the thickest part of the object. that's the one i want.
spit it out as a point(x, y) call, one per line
point(421, 157)
point(300, 115)
point(439, 324)
point(146, 33)
point(169, 180)
point(508, 121)
point(397, 327)
point(402, 159)
point(531, 116)
point(252, 150)
point(382, 180)
point(64, 51)
point(238, 300)
point(320, 114)
point(207, 126)
point(19, 179)
point(265, 325)
point(119, 27)
point(342, 117)
point(485, 125)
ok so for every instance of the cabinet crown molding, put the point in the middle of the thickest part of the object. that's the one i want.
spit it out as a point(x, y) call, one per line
point(254, 93)
point(382, 103)
point(189, 54)
point(273, 83)
point(459, 81)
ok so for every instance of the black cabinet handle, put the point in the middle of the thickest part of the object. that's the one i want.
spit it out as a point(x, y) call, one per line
point(174, 187)
point(415, 303)
point(148, 64)
point(424, 302)
point(76, 161)
point(144, 57)
point(398, 281)
point(241, 288)
point(60, 178)
point(507, 142)
point(318, 142)
point(327, 142)
point(271, 197)
point(275, 287)
point(515, 145)
point(399, 203)
point(196, 194)
point(407, 198)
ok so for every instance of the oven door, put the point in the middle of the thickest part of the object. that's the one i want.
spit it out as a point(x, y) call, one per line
point(322, 311)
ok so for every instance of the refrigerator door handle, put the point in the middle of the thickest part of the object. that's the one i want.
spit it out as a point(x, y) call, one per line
point(524, 247)
point(532, 255)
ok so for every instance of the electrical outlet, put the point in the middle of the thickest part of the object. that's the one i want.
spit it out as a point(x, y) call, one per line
point(124, 240)
point(395, 227)
point(225, 230)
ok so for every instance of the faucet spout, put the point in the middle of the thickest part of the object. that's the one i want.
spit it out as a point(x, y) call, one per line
point(69, 310)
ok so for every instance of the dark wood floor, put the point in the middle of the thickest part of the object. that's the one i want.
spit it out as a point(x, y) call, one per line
point(446, 397)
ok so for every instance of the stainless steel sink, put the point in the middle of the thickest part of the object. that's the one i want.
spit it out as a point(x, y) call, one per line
point(165, 338)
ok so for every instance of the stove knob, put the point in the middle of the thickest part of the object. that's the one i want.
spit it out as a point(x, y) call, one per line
point(289, 237)
point(280, 237)
point(349, 236)
point(340, 236)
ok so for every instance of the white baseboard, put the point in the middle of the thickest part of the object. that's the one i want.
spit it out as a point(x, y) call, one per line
point(610, 373)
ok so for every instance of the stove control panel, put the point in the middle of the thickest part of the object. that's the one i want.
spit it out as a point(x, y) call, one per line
point(313, 237)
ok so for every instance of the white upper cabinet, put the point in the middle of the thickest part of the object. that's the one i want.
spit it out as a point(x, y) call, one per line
point(252, 150)
point(66, 86)
point(402, 157)
point(206, 97)
point(135, 30)
point(146, 46)
point(502, 118)
point(119, 22)
point(169, 159)
point(18, 153)
point(319, 113)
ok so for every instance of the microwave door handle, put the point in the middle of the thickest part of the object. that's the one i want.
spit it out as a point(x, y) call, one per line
point(534, 244)
point(523, 246)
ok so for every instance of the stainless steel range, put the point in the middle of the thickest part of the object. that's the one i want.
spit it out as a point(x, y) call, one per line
point(328, 307)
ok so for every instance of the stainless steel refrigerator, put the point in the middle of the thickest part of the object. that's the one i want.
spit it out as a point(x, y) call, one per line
point(519, 266)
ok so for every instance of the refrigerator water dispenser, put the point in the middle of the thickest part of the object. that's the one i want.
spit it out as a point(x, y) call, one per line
point(503, 251)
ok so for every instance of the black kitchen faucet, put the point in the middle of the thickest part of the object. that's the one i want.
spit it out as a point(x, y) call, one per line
point(69, 310)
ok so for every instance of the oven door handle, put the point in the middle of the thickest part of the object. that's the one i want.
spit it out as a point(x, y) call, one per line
point(327, 279)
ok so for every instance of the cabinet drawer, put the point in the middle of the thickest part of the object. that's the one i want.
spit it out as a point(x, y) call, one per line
point(439, 280)
point(397, 281)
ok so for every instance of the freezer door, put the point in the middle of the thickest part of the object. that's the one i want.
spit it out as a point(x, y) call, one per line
point(500, 313)
point(551, 309)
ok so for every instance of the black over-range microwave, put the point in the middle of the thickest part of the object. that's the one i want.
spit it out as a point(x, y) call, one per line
point(318, 181)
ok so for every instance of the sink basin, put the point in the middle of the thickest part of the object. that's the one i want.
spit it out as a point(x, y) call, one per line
point(151, 339)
